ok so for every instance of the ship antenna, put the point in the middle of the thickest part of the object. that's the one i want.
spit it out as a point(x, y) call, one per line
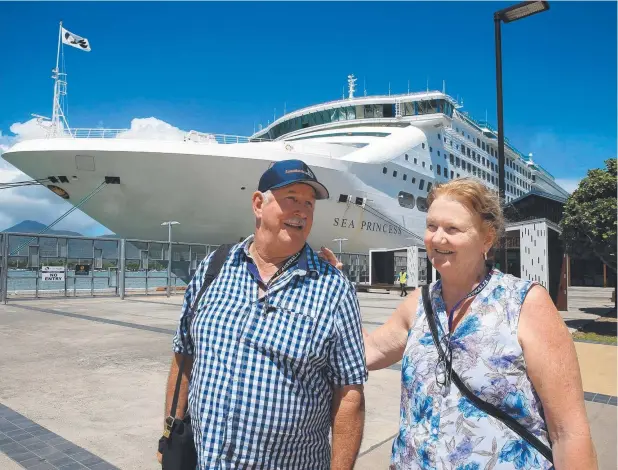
point(351, 86)
point(58, 120)
point(408, 87)
point(427, 84)
point(364, 87)
point(444, 87)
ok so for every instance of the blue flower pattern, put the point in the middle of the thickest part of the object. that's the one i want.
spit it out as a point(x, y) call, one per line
point(441, 428)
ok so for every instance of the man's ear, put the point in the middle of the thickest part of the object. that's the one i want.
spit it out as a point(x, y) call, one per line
point(257, 203)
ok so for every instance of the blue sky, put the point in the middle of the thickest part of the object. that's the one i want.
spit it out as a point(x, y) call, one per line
point(224, 67)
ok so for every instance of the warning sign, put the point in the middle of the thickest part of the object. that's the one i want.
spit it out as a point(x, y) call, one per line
point(53, 276)
point(52, 269)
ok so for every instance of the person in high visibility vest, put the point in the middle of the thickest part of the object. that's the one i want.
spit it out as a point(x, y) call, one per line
point(403, 281)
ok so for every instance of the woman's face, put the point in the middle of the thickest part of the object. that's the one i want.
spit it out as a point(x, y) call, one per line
point(455, 238)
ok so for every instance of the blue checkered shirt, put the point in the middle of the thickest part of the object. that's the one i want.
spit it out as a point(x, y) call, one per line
point(262, 383)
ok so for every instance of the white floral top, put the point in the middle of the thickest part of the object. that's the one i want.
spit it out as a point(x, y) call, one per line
point(448, 432)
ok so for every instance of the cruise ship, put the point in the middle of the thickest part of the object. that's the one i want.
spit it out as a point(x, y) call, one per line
point(379, 156)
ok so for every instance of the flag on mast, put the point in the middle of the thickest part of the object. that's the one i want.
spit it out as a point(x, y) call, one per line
point(75, 40)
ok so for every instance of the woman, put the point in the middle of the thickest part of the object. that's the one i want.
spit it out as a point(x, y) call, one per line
point(508, 343)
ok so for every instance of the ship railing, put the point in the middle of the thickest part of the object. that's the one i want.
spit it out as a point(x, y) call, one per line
point(191, 136)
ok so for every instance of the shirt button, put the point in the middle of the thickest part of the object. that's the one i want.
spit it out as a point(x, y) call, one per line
point(435, 431)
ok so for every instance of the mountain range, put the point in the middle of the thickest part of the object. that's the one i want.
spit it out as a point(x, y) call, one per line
point(32, 226)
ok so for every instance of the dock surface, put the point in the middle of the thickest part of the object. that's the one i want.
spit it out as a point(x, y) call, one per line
point(83, 383)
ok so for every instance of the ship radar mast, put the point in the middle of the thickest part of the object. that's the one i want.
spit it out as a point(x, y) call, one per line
point(351, 86)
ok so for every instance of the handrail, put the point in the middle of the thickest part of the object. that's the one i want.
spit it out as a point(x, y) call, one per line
point(191, 136)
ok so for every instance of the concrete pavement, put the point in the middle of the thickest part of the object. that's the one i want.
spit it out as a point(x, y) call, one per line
point(91, 373)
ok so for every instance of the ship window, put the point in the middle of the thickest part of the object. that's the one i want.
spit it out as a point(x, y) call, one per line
point(457, 162)
point(469, 167)
point(406, 157)
point(431, 167)
point(343, 198)
point(473, 170)
point(406, 200)
point(368, 111)
point(405, 177)
point(413, 180)
point(457, 129)
point(492, 179)
point(451, 143)
point(463, 149)
point(445, 140)
point(430, 149)
point(438, 153)
point(423, 164)
point(384, 170)
point(483, 160)
point(452, 174)
point(458, 175)
point(428, 187)
point(468, 151)
point(421, 204)
point(439, 137)
point(395, 173)
point(452, 158)
point(478, 142)
point(415, 161)
point(408, 109)
point(423, 144)
point(445, 172)
point(473, 155)
point(483, 145)
point(387, 110)
point(439, 169)
point(421, 185)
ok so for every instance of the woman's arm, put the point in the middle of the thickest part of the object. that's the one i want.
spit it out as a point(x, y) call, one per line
point(384, 347)
point(553, 368)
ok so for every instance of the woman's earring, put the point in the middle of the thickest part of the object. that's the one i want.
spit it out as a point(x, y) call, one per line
point(485, 256)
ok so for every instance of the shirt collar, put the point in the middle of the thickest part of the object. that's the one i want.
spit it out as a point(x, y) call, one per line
point(308, 261)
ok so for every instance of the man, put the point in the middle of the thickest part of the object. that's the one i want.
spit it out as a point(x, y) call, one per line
point(276, 349)
point(403, 282)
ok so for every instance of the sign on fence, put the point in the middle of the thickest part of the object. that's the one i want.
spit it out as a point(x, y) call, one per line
point(52, 269)
point(82, 269)
point(53, 276)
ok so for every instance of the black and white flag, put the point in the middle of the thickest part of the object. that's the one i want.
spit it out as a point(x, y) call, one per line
point(75, 40)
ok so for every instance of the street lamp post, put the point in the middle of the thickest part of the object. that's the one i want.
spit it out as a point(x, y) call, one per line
point(507, 15)
point(169, 224)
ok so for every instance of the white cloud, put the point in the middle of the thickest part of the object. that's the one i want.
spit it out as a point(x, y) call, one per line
point(152, 129)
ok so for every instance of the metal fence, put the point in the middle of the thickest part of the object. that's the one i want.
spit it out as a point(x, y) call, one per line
point(44, 266)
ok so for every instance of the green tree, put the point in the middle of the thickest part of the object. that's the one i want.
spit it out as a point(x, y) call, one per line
point(589, 220)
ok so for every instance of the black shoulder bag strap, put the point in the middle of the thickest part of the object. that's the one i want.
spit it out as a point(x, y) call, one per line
point(482, 405)
point(214, 267)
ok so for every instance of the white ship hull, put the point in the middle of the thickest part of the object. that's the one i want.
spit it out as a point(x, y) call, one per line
point(378, 156)
point(208, 189)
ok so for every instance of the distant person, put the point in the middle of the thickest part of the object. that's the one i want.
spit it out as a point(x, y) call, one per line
point(403, 282)
point(502, 336)
point(275, 350)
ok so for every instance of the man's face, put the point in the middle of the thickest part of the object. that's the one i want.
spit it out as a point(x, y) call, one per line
point(287, 216)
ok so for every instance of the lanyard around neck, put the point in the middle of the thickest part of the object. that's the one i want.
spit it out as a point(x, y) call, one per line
point(290, 261)
point(477, 290)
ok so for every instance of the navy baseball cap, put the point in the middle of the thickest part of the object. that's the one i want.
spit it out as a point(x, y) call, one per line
point(287, 172)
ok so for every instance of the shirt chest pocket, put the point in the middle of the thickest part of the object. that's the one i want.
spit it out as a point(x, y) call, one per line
point(281, 333)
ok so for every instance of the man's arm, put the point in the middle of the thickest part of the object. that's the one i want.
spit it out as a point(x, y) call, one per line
point(183, 395)
point(348, 423)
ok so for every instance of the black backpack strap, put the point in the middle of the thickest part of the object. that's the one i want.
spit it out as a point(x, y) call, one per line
point(482, 405)
point(213, 270)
